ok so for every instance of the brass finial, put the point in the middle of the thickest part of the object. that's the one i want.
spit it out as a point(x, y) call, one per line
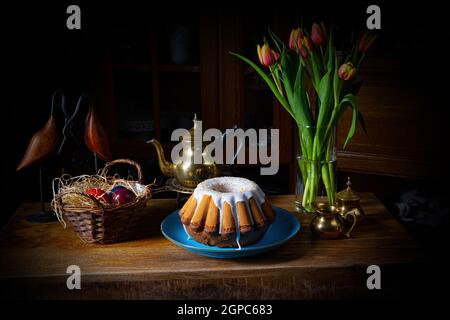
point(195, 122)
point(349, 184)
point(347, 193)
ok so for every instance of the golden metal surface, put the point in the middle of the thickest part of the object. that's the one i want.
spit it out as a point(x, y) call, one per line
point(329, 221)
point(348, 200)
point(186, 172)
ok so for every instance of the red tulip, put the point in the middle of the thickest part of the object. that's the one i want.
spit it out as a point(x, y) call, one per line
point(295, 39)
point(366, 41)
point(276, 55)
point(318, 34)
point(346, 71)
point(267, 56)
point(95, 136)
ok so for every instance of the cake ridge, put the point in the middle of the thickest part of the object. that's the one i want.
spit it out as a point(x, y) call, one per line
point(238, 199)
point(238, 190)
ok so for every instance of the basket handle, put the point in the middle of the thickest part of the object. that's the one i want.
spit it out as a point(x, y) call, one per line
point(124, 161)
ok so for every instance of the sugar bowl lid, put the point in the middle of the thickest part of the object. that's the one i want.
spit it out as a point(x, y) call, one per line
point(348, 194)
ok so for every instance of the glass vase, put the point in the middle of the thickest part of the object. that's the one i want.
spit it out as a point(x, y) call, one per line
point(316, 167)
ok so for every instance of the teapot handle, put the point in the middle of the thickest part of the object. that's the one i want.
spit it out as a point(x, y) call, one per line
point(345, 215)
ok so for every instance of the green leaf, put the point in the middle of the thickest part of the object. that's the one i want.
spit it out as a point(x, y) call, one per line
point(350, 99)
point(324, 88)
point(298, 83)
point(326, 93)
point(301, 98)
point(330, 60)
point(352, 129)
point(362, 122)
point(315, 69)
point(330, 44)
point(337, 82)
point(289, 62)
point(277, 41)
point(287, 77)
point(308, 100)
point(268, 81)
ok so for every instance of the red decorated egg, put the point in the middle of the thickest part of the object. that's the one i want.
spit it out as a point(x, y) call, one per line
point(121, 195)
point(99, 194)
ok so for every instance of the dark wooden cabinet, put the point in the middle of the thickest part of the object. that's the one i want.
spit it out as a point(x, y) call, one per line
point(149, 95)
point(398, 119)
point(150, 91)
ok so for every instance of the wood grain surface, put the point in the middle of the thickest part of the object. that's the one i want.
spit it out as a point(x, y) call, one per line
point(34, 258)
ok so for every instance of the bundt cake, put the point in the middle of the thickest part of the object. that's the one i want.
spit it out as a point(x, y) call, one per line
point(227, 212)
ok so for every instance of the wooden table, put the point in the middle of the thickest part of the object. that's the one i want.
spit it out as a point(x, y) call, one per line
point(34, 259)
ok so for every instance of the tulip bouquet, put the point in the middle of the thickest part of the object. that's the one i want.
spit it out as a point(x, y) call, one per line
point(315, 86)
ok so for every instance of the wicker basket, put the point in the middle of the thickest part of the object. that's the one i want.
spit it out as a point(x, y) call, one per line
point(106, 224)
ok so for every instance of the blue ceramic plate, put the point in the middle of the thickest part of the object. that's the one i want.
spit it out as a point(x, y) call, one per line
point(284, 227)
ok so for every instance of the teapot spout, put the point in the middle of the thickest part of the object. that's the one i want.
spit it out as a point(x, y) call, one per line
point(167, 168)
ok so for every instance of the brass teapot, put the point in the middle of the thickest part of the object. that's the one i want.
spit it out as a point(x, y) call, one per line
point(186, 172)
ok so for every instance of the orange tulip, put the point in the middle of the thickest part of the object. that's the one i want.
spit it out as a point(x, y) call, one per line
point(267, 56)
point(346, 71)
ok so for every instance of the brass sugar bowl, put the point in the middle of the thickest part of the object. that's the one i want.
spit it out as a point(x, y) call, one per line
point(348, 200)
point(186, 172)
point(329, 222)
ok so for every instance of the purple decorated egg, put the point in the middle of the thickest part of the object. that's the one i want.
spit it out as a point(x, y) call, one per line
point(121, 195)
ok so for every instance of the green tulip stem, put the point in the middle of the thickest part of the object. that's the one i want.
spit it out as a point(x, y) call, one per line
point(360, 60)
point(276, 79)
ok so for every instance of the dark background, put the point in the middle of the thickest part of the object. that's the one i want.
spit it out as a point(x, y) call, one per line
point(42, 55)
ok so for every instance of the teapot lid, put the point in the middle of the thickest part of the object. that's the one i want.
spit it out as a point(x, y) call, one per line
point(348, 194)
